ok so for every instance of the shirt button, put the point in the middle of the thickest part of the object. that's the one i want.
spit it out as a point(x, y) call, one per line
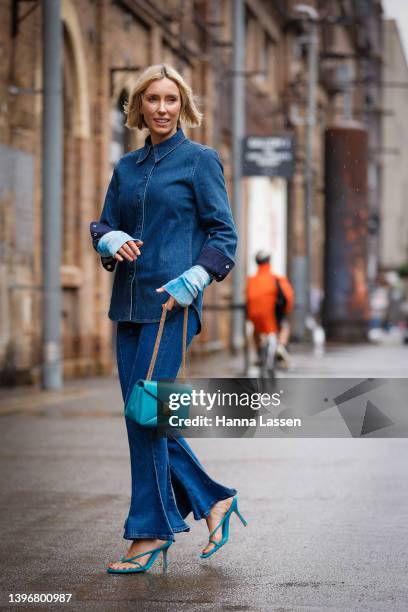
point(227, 267)
point(95, 234)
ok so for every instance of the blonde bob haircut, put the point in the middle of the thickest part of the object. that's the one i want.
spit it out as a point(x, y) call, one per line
point(189, 113)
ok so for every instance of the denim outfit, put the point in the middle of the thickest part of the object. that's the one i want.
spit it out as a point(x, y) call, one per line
point(173, 197)
point(184, 288)
point(168, 481)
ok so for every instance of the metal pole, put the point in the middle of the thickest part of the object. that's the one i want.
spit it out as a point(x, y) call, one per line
point(52, 192)
point(238, 130)
point(312, 59)
point(302, 263)
point(217, 75)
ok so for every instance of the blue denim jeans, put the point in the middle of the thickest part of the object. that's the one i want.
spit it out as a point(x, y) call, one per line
point(168, 481)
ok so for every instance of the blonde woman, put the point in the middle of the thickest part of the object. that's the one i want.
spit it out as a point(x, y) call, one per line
point(166, 226)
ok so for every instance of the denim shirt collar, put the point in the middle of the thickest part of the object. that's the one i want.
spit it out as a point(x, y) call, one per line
point(163, 148)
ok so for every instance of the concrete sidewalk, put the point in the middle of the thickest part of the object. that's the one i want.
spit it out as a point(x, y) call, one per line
point(339, 360)
point(327, 517)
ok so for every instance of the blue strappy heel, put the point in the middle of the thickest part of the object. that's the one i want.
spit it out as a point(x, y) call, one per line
point(154, 553)
point(224, 524)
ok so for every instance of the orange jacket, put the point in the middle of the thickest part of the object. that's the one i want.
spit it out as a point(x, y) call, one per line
point(261, 296)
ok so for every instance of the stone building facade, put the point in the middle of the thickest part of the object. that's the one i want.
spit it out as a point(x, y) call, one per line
point(394, 210)
point(106, 45)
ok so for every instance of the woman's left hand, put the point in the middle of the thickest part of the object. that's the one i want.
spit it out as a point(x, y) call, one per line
point(171, 302)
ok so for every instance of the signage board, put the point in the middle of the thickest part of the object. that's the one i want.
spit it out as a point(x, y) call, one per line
point(269, 156)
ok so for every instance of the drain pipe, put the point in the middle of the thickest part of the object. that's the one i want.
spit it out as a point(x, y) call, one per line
point(52, 194)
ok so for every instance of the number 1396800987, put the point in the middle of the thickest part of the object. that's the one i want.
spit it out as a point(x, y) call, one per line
point(39, 597)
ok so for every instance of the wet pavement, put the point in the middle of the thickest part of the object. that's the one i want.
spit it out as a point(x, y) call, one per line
point(327, 517)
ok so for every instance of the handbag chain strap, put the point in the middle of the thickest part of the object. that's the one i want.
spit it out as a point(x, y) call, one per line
point(158, 340)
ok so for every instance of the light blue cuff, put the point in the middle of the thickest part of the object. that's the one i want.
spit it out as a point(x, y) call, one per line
point(111, 242)
point(185, 287)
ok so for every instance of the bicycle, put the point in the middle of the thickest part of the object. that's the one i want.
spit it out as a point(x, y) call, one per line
point(267, 355)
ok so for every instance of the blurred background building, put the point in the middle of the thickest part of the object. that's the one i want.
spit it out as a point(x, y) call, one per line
point(106, 43)
point(394, 217)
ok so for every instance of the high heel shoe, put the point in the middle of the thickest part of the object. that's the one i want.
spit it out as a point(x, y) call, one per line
point(224, 524)
point(154, 553)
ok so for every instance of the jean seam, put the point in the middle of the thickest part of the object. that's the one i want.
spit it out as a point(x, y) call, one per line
point(189, 454)
point(133, 367)
point(158, 488)
point(119, 344)
point(196, 164)
point(171, 492)
point(181, 480)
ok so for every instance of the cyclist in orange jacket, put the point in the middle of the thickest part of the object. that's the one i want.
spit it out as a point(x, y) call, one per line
point(270, 299)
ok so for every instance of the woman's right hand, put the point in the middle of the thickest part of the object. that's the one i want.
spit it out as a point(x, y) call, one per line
point(129, 250)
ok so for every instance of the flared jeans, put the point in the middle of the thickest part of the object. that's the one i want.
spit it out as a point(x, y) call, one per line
point(168, 481)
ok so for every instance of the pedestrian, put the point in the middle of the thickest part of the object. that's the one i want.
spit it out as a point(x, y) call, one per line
point(167, 227)
point(269, 299)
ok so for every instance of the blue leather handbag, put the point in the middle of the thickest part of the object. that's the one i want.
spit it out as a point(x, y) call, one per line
point(149, 397)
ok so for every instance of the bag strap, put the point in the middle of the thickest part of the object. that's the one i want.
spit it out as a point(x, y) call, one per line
point(158, 340)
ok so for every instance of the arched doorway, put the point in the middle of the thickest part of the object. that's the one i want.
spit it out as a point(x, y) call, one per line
point(71, 214)
point(76, 197)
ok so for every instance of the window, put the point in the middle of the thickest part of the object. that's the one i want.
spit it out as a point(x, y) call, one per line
point(120, 142)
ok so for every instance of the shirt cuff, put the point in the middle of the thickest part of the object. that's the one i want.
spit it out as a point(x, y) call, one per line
point(186, 287)
point(215, 262)
point(111, 242)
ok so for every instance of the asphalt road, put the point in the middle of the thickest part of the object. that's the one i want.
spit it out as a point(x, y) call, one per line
point(327, 517)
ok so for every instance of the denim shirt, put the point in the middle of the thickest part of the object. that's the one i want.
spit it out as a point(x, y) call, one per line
point(173, 197)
